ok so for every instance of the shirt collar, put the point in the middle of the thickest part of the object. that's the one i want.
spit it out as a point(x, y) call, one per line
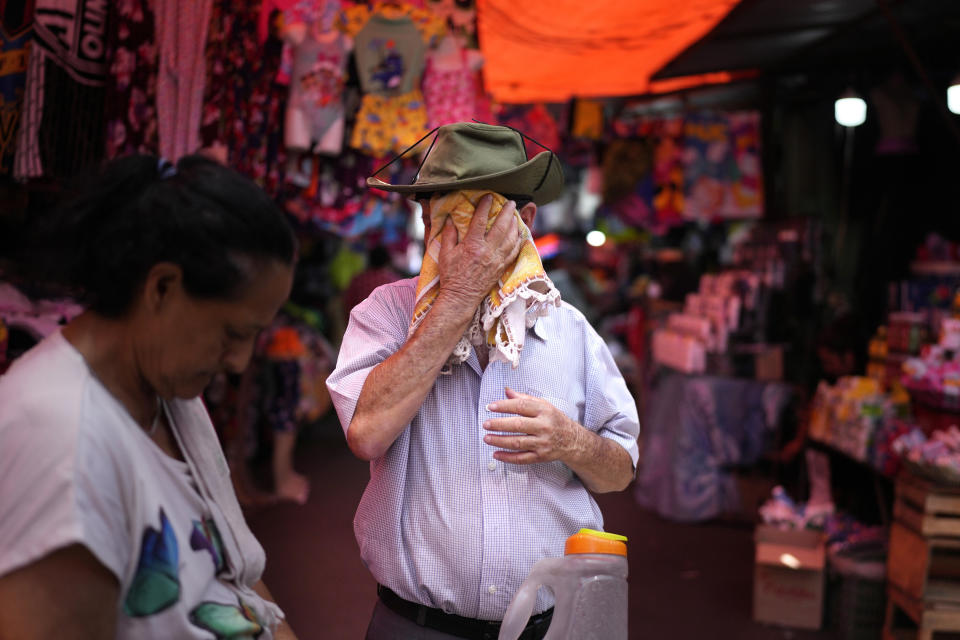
point(541, 330)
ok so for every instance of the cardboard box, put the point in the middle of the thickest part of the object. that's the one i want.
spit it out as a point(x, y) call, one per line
point(788, 587)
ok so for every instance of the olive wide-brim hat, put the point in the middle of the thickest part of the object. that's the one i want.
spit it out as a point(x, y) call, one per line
point(473, 155)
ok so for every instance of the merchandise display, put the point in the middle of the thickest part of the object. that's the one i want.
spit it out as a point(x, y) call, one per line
point(782, 512)
point(936, 457)
point(857, 417)
point(710, 316)
point(934, 377)
point(844, 535)
point(63, 72)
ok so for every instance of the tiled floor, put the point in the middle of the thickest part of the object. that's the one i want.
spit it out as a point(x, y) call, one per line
point(686, 581)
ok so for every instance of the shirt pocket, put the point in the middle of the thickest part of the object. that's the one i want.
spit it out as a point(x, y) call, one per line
point(557, 473)
point(566, 406)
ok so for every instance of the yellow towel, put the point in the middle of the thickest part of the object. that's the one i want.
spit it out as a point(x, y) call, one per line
point(524, 292)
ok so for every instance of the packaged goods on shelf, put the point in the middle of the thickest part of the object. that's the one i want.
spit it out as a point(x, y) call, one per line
point(694, 326)
point(679, 351)
point(936, 457)
point(709, 318)
point(949, 337)
point(855, 416)
point(933, 378)
point(907, 331)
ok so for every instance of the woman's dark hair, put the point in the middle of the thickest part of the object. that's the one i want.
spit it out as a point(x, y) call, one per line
point(141, 211)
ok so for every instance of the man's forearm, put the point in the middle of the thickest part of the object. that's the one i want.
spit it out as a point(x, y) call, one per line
point(395, 389)
point(600, 463)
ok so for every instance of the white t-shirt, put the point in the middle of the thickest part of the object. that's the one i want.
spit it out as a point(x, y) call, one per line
point(76, 468)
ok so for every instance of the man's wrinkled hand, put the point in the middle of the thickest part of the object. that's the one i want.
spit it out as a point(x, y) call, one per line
point(537, 432)
point(469, 268)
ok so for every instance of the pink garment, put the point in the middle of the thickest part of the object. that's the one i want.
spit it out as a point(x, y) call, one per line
point(266, 10)
point(483, 105)
point(182, 36)
point(449, 93)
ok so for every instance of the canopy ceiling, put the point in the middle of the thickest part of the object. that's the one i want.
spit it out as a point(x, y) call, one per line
point(552, 50)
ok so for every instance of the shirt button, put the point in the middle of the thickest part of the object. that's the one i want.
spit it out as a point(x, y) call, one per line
point(492, 465)
point(492, 589)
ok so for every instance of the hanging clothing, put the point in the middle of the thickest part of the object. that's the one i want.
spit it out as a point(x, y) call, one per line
point(460, 16)
point(341, 189)
point(319, 15)
point(61, 126)
point(16, 31)
point(482, 102)
point(243, 104)
point(182, 35)
point(315, 112)
point(269, 9)
point(536, 122)
point(390, 44)
point(131, 100)
point(389, 124)
point(449, 89)
point(587, 119)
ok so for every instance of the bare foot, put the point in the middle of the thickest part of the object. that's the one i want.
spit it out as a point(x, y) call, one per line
point(293, 487)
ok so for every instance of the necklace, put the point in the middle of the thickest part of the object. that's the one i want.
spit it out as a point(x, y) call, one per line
point(156, 418)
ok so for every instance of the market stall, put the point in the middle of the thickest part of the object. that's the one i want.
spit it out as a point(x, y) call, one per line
point(776, 279)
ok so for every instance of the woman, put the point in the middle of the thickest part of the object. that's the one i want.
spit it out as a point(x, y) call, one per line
point(117, 514)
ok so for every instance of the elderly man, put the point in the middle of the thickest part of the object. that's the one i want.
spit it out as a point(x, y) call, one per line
point(483, 452)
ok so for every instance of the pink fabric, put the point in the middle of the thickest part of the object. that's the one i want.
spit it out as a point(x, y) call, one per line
point(182, 35)
point(268, 7)
point(449, 93)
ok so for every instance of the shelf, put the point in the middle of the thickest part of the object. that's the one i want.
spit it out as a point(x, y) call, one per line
point(935, 268)
point(826, 446)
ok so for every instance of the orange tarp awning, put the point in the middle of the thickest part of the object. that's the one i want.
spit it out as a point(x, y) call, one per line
point(552, 50)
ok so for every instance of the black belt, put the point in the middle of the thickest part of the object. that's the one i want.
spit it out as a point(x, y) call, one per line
point(456, 625)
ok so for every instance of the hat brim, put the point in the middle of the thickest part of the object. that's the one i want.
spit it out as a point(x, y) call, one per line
point(520, 180)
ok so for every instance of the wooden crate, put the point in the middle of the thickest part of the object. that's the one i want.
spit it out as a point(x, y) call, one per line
point(929, 617)
point(924, 568)
point(928, 509)
point(923, 563)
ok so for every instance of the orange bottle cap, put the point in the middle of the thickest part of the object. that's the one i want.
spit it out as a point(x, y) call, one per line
point(590, 541)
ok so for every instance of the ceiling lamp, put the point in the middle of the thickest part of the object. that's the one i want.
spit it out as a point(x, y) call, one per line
point(850, 110)
point(953, 96)
point(596, 238)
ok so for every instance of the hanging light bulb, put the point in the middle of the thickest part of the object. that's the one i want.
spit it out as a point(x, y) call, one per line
point(953, 96)
point(850, 110)
point(596, 238)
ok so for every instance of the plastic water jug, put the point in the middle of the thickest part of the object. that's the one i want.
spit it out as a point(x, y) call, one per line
point(589, 584)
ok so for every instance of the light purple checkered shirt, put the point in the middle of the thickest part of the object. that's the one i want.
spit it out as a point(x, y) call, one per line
point(441, 521)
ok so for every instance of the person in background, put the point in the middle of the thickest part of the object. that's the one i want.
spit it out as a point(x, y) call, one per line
point(838, 354)
point(480, 468)
point(117, 514)
point(378, 271)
